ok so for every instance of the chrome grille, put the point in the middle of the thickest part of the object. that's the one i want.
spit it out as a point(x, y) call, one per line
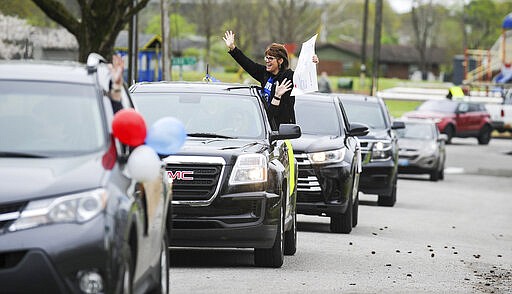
point(9, 213)
point(307, 180)
point(203, 184)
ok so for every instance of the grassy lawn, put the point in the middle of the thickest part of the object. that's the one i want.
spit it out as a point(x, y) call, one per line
point(399, 107)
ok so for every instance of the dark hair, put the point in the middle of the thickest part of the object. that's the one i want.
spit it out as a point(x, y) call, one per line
point(278, 51)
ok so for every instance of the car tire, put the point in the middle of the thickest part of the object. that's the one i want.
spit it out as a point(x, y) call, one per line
point(290, 237)
point(126, 272)
point(274, 256)
point(342, 222)
point(441, 173)
point(163, 286)
point(388, 200)
point(450, 132)
point(485, 135)
point(355, 210)
point(434, 175)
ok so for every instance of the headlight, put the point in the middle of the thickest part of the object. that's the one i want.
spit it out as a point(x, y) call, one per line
point(381, 151)
point(78, 208)
point(249, 169)
point(327, 156)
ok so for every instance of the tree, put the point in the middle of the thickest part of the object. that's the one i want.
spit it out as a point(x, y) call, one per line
point(97, 23)
point(423, 19)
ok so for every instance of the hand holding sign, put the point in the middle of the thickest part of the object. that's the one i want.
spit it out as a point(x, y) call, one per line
point(305, 76)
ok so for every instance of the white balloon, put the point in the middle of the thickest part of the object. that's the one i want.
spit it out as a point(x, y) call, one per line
point(144, 164)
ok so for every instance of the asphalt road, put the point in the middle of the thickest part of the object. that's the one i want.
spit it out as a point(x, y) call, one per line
point(452, 236)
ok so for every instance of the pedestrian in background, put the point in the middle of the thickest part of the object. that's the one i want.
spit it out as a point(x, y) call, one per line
point(324, 85)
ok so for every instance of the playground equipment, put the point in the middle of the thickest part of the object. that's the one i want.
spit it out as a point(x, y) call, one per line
point(493, 66)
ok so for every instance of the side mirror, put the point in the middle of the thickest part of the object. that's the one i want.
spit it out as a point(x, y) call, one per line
point(442, 138)
point(397, 125)
point(358, 129)
point(286, 131)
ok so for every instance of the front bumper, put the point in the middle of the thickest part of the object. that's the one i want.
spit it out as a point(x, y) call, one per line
point(417, 164)
point(323, 189)
point(48, 259)
point(378, 177)
point(240, 220)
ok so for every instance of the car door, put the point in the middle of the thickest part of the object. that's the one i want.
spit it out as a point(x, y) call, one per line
point(463, 118)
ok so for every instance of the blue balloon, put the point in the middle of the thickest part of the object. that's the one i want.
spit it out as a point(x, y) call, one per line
point(166, 136)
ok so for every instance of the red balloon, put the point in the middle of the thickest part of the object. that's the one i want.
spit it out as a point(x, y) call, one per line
point(129, 127)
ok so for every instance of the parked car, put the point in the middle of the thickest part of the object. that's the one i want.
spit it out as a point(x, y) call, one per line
point(329, 160)
point(379, 147)
point(421, 149)
point(456, 118)
point(71, 219)
point(233, 180)
point(501, 114)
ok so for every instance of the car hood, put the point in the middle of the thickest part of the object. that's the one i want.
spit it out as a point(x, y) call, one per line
point(226, 148)
point(30, 178)
point(376, 134)
point(428, 114)
point(315, 143)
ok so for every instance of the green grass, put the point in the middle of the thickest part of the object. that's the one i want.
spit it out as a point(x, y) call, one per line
point(398, 107)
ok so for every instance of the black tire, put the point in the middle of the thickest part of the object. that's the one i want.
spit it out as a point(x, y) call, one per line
point(342, 223)
point(485, 135)
point(355, 210)
point(290, 237)
point(388, 200)
point(450, 132)
point(274, 256)
point(434, 175)
point(126, 279)
point(163, 278)
point(441, 173)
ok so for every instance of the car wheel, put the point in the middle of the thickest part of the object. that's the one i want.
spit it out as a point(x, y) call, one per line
point(441, 173)
point(388, 200)
point(274, 256)
point(355, 210)
point(342, 222)
point(485, 135)
point(434, 175)
point(163, 287)
point(450, 132)
point(290, 237)
point(127, 271)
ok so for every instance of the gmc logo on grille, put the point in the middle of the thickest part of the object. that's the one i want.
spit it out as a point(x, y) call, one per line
point(181, 175)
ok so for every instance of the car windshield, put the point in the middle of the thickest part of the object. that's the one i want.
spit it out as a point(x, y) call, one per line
point(205, 114)
point(317, 117)
point(365, 112)
point(438, 106)
point(419, 131)
point(49, 119)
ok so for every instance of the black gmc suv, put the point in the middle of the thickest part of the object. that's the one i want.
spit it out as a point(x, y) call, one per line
point(233, 180)
point(379, 147)
point(329, 159)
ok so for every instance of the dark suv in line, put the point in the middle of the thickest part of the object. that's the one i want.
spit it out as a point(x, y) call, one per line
point(329, 159)
point(233, 180)
point(71, 219)
point(379, 147)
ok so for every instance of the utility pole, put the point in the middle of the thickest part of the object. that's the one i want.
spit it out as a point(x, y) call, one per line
point(166, 41)
point(133, 48)
point(362, 75)
point(376, 46)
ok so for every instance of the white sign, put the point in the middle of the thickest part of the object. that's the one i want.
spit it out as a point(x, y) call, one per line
point(305, 77)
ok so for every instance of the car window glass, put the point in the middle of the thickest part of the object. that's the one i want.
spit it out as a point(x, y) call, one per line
point(473, 107)
point(234, 116)
point(463, 107)
point(49, 118)
point(317, 117)
point(438, 106)
point(365, 112)
point(416, 131)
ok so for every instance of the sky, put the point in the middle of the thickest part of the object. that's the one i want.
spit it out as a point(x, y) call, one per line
point(402, 6)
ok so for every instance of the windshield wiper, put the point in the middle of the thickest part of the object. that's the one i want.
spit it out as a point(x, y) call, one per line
point(209, 135)
point(21, 154)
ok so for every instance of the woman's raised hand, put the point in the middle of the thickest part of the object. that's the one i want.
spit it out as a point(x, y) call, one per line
point(229, 38)
point(282, 88)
